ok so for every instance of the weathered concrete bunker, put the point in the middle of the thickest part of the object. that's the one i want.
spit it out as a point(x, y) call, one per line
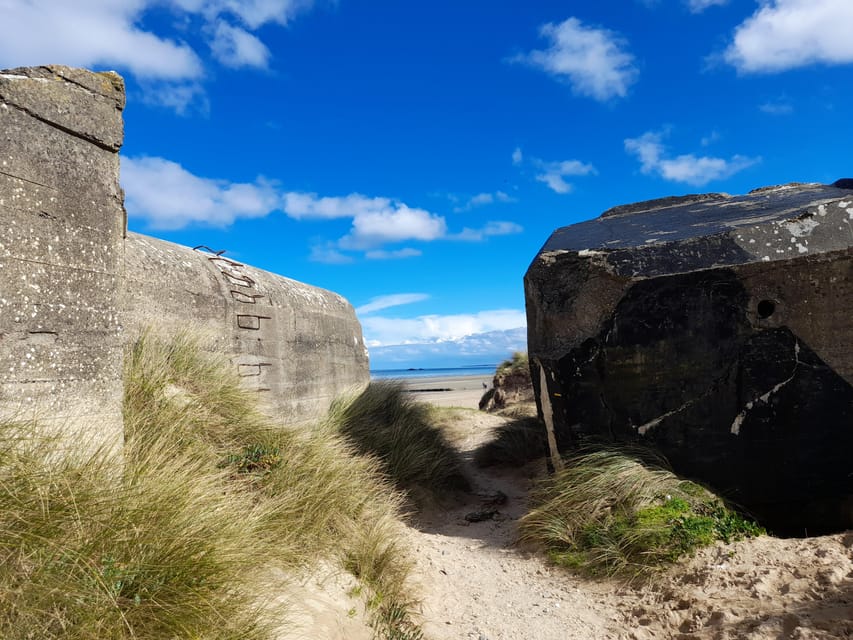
point(76, 287)
point(61, 248)
point(297, 346)
point(715, 329)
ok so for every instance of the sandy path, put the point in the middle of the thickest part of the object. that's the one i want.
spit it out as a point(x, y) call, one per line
point(477, 584)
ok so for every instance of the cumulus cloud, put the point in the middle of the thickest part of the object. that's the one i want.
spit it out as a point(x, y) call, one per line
point(554, 174)
point(327, 253)
point(483, 199)
point(396, 254)
point(392, 300)
point(382, 330)
point(785, 34)
point(698, 6)
point(688, 168)
point(375, 221)
point(235, 47)
point(168, 196)
point(494, 228)
point(91, 33)
point(593, 61)
point(517, 156)
point(393, 224)
point(112, 34)
point(777, 107)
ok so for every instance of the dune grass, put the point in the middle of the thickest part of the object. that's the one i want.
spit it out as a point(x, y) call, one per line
point(383, 422)
point(621, 513)
point(513, 444)
point(178, 541)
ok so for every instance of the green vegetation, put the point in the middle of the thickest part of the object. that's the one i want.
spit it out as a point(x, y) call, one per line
point(181, 541)
point(518, 363)
point(513, 444)
point(383, 422)
point(511, 376)
point(612, 513)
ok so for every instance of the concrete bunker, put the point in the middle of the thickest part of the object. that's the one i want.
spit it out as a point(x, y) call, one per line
point(716, 330)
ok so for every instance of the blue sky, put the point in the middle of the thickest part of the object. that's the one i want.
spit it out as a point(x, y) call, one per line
point(414, 157)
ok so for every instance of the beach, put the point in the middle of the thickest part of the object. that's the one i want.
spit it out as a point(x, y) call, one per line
point(449, 391)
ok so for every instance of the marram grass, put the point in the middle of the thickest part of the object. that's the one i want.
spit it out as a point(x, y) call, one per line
point(179, 542)
point(413, 453)
point(615, 513)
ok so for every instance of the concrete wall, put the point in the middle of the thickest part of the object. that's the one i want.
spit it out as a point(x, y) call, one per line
point(296, 345)
point(66, 310)
point(61, 229)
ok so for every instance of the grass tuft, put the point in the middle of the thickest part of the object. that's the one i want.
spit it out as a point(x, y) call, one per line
point(618, 513)
point(513, 444)
point(383, 422)
point(179, 542)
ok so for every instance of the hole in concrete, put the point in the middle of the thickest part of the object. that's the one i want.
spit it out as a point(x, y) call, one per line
point(766, 309)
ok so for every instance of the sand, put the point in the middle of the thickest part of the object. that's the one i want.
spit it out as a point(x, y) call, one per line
point(449, 391)
point(476, 583)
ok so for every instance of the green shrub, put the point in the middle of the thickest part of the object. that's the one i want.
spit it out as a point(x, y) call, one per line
point(383, 422)
point(519, 362)
point(614, 513)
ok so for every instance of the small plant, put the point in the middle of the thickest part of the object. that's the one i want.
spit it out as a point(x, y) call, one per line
point(257, 459)
point(519, 362)
point(616, 513)
point(398, 431)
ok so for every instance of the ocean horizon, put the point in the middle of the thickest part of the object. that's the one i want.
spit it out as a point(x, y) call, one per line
point(477, 370)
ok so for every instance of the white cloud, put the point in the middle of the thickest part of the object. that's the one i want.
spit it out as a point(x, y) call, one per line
point(395, 224)
point(687, 168)
point(252, 13)
point(710, 139)
point(91, 33)
point(235, 47)
point(517, 156)
point(396, 254)
point(494, 228)
point(785, 34)
point(178, 96)
point(777, 108)
point(112, 34)
point(554, 173)
point(328, 254)
point(392, 300)
point(593, 61)
point(381, 330)
point(168, 196)
point(301, 205)
point(698, 6)
point(482, 199)
point(375, 221)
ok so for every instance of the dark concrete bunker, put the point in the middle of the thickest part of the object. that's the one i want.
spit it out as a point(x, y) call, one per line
point(717, 330)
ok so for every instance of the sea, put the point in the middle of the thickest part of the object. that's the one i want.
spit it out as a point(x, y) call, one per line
point(487, 370)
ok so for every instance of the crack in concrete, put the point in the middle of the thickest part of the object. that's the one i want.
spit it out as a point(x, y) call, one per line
point(59, 127)
point(739, 418)
point(38, 184)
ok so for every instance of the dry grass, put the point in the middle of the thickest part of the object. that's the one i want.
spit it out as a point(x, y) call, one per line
point(383, 422)
point(176, 543)
point(622, 513)
point(513, 444)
